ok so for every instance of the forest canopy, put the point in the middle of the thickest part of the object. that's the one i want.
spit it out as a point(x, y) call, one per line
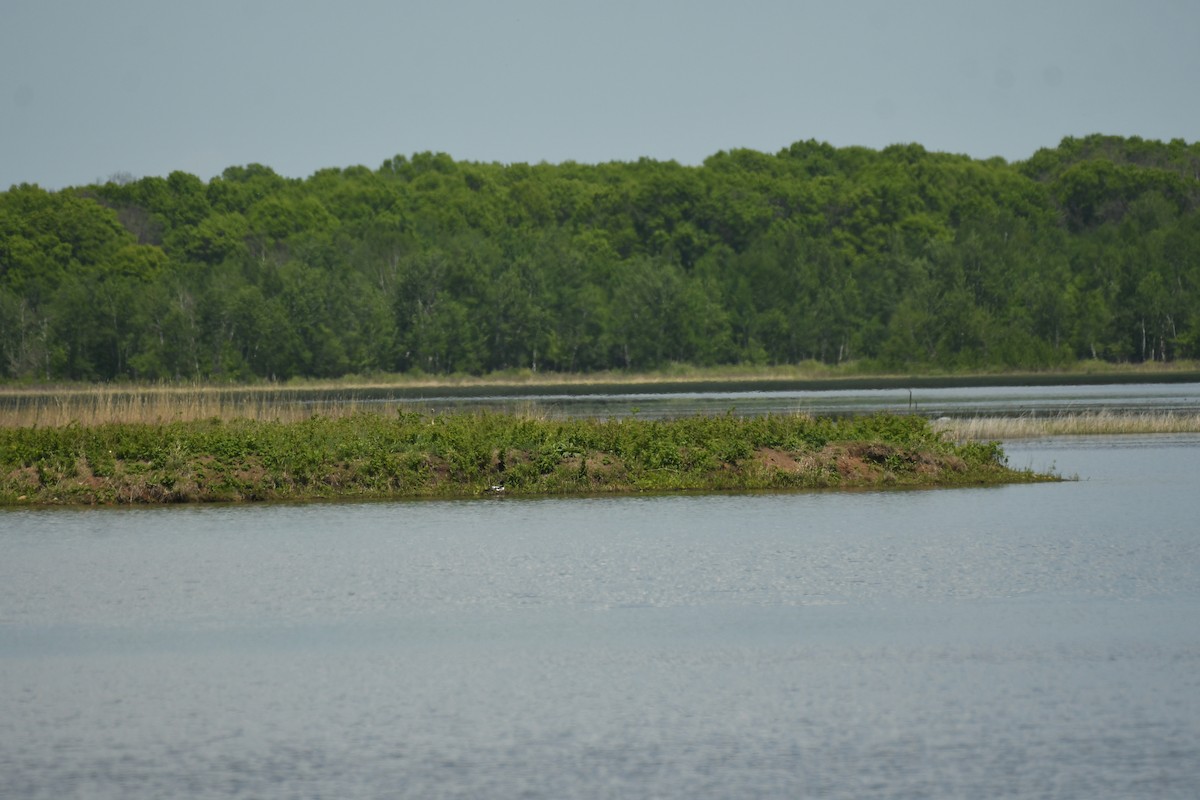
point(898, 259)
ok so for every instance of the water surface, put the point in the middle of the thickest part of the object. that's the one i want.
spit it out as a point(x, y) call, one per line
point(1023, 641)
point(931, 401)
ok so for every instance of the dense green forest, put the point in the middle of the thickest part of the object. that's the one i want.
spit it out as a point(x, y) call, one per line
point(894, 259)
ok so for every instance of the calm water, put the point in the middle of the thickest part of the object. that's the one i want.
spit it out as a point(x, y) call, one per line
point(1027, 642)
point(929, 401)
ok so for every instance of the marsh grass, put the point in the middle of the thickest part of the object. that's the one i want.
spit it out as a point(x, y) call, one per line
point(102, 405)
point(106, 405)
point(460, 455)
point(298, 399)
point(1070, 424)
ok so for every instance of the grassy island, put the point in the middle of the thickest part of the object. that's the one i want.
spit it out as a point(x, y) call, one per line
point(372, 455)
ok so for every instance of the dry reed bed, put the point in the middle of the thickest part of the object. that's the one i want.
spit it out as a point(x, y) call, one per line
point(103, 406)
point(1072, 423)
point(156, 405)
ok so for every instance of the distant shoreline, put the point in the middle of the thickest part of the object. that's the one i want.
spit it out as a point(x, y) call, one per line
point(684, 379)
point(92, 404)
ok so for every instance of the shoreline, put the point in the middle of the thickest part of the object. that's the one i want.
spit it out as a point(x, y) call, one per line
point(28, 406)
point(814, 377)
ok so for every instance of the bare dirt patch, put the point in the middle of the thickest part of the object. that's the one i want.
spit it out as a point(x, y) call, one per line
point(856, 468)
point(778, 460)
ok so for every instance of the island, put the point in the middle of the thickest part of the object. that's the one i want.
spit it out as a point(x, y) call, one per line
point(375, 455)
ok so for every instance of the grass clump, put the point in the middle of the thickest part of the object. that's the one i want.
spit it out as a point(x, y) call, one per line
point(1074, 423)
point(374, 455)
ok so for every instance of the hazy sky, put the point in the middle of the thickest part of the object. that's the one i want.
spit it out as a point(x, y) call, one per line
point(89, 88)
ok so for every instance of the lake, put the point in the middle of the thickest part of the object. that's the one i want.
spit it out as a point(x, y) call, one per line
point(1036, 641)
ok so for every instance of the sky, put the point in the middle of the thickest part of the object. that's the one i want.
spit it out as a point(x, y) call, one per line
point(89, 90)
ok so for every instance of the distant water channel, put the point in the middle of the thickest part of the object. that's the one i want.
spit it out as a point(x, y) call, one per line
point(924, 398)
point(1021, 642)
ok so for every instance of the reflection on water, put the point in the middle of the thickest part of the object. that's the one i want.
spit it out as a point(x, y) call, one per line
point(1022, 641)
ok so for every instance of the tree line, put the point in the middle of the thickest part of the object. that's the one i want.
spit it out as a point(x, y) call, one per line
point(897, 259)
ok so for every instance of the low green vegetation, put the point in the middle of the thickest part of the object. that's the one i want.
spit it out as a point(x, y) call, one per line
point(462, 455)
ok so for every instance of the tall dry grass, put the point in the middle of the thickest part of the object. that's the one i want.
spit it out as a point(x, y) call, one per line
point(100, 405)
point(103, 405)
point(1073, 423)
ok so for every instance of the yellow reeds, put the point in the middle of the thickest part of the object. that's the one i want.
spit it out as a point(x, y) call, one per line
point(99, 405)
point(103, 405)
point(1070, 423)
